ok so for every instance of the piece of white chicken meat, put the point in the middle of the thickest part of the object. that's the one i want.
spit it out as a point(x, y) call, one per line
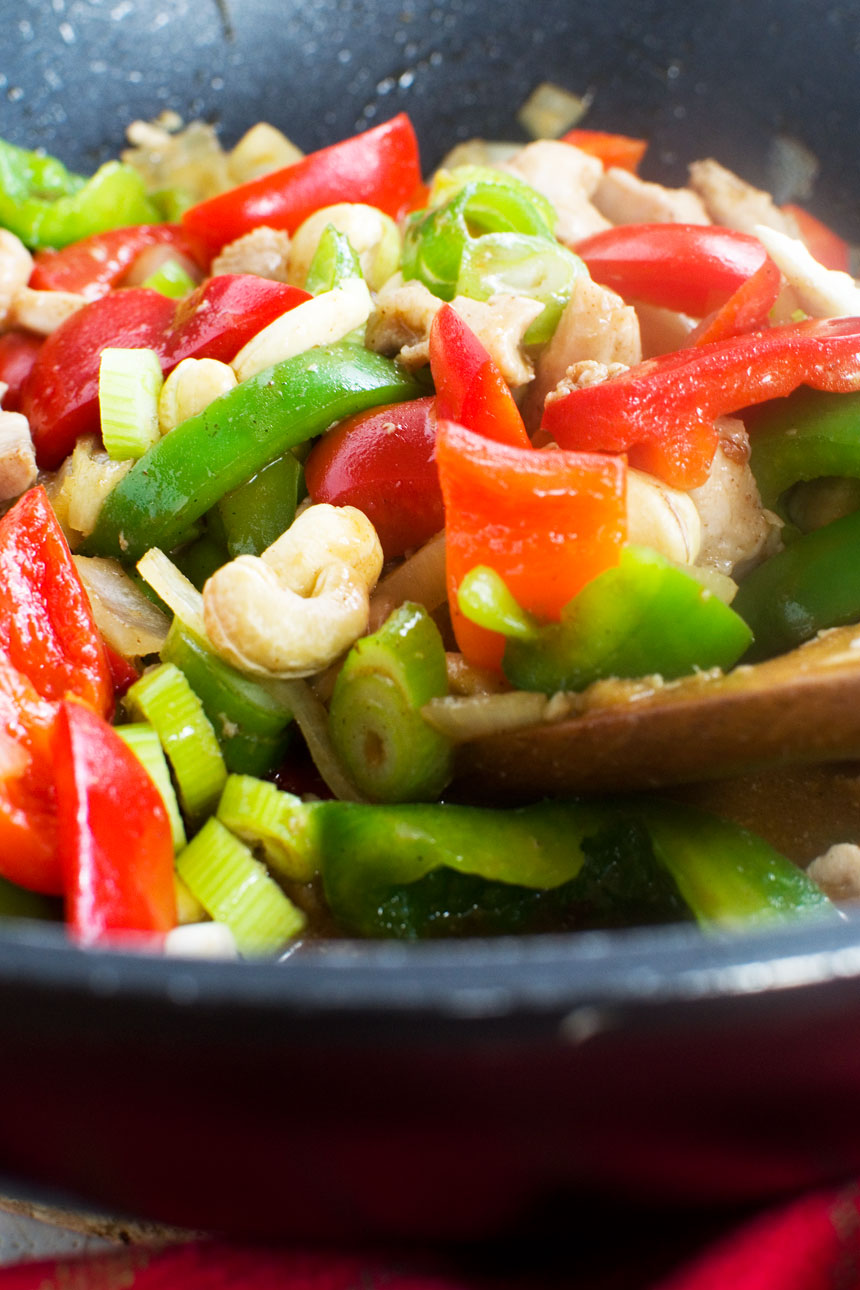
point(567, 177)
point(404, 312)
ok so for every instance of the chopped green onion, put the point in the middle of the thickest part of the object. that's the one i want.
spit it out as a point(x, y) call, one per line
point(375, 716)
point(334, 262)
point(143, 740)
point(521, 265)
point(130, 382)
point(483, 596)
point(164, 698)
point(170, 280)
point(234, 888)
point(261, 814)
point(173, 589)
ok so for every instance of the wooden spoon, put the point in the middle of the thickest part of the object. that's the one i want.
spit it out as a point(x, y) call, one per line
point(802, 707)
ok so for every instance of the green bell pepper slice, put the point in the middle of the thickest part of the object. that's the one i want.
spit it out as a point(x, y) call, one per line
point(811, 435)
point(47, 205)
point(814, 583)
point(417, 870)
point(253, 730)
point(644, 616)
point(190, 469)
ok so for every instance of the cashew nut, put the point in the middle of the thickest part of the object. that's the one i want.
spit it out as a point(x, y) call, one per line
point(373, 236)
point(190, 388)
point(291, 611)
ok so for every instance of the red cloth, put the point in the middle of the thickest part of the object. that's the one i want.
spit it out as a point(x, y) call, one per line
point(811, 1244)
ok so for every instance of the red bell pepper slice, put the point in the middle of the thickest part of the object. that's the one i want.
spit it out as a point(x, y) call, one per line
point(380, 167)
point(662, 412)
point(18, 350)
point(546, 521)
point(382, 462)
point(828, 247)
point(28, 818)
point(94, 265)
point(470, 389)
point(60, 396)
point(693, 268)
point(114, 837)
point(746, 310)
point(618, 150)
point(47, 630)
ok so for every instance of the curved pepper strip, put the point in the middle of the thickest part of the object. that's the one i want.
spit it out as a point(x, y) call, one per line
point(190, 469)
point(814, 583)
point(808, 436)
point(28, 813)
point(693, 268)
point(470, 389)
point(47, 205)
point(92, 266)
point(114, 836)
point(373, 858)
point(746, 310)
point(613, 150)
point(547, 522)
point(662, 412)
point(617, 627)
point(380, 167)
point(47, 630)
point(60, 396)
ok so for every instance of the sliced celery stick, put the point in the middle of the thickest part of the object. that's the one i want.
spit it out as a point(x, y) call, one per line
point(130, 381)
point(143, 740)
point(164, 698)
point(235, 889)
point(375, 720)
point(279, 822)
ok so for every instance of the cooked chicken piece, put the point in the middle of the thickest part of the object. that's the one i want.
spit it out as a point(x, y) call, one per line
point(662, 331)
point(737, 532)
point(731, 201)
point(500, 324)
point(18, 469)
point(819, 292)
point(567, 177)
point(400, 324)
point(16, 265)
point(837, 872)
point(626, 199)
point(596, 326)
point(264, 251)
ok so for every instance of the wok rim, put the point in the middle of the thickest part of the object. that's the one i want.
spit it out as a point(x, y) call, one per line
point(634, 970)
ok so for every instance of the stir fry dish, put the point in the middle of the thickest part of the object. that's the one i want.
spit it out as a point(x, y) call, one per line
point(394, 555)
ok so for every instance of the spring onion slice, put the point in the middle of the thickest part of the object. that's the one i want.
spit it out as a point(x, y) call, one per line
point(375, 719)
point(171, 280)
point(234, 888)
point(143, 740)
point(164, 698)
point(174, 589)
point(130, 382)
point(261, 814)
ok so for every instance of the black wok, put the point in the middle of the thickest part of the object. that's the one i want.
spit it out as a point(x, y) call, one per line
point(463, 1089)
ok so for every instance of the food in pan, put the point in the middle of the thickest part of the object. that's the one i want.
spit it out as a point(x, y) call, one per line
point(338, 503)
